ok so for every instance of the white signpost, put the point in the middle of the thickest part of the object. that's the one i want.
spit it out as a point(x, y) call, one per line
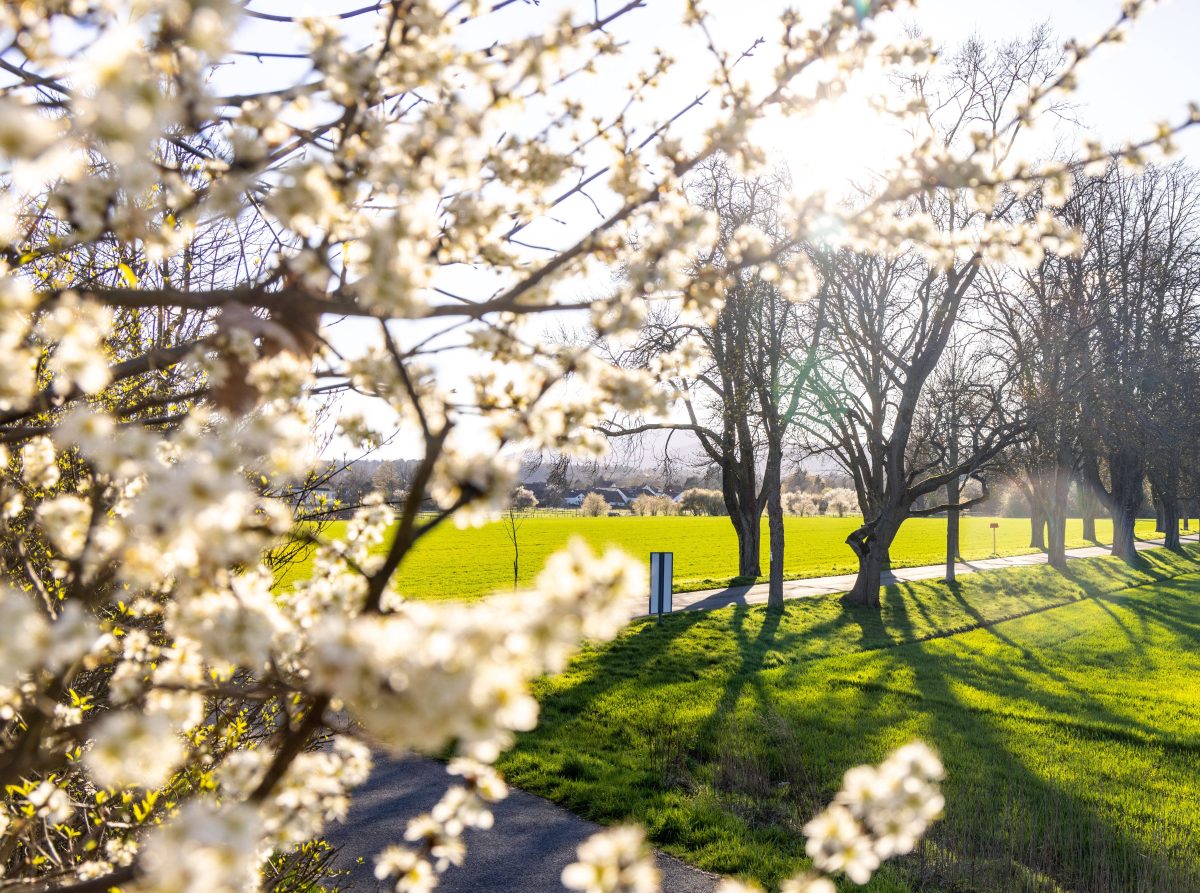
point(661, 565)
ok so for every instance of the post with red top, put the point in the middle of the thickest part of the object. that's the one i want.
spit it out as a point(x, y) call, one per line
point(995, 525)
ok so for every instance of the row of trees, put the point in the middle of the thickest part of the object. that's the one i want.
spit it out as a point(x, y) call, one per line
point(926, 379)
point(1105, 344)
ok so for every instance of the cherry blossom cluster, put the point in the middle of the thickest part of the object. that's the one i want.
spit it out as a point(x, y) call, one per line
point(879, 813)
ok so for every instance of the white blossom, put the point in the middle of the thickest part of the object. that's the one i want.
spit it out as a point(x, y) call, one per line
point(204, 849)
point(39, 463)
point(66, 520)
point(133, 749)
point(613, 861)
point(50, 802)
point(410, 872)
point(178, 257)
point(879, 813)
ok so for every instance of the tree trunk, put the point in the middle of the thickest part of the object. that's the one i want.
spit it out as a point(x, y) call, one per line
point(740, 502)
point(1088, 508)
point(749, 534)
point(1170, 509)
point(1056, 535)
point(1123, 545)
point(952, 493)
point(952, 547)
point(871, 543)
point(513, 530)
point(1127, 473)
point(1166, 508)
point(1037, 526)
point(866, 587)
point(1058, 498)
point(772, 479)
point(775, 571)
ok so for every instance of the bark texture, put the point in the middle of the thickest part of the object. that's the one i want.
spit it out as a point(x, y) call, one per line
point(1128, 475)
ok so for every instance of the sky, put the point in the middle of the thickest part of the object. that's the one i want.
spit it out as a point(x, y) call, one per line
point(1124, 90)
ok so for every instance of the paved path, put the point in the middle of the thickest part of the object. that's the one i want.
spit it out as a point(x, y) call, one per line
point(709, 599)
point(526, 851)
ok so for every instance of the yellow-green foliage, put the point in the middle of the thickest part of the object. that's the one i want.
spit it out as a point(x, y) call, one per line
point(453, 563)
point(1071, 731)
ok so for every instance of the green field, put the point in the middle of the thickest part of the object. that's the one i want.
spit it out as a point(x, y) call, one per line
point(453, 563)
point(1070, 731)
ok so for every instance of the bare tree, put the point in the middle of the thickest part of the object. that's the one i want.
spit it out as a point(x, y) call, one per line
point(1042, 333)
point(740, 403)
point(513, 520)
point(889, 322)
point(891, 317)
point(1138, 278)
point(958, 394)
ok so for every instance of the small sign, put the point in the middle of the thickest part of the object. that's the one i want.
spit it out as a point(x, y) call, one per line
point(661, 565)
point(993, 525)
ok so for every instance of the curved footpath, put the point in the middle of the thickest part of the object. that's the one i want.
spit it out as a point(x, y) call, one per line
point(534, 839)
point(526, 851)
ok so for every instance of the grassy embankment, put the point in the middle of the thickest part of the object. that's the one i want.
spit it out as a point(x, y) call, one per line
point(1070, 732)
point(452, 563)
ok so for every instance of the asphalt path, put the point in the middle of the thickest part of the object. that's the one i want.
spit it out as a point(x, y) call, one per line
point(525, 852)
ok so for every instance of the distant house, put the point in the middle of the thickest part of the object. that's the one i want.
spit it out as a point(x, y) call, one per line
point(644, 490)
point(615, 497)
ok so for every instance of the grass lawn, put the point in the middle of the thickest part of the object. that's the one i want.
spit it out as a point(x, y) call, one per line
point(452, 563)
point(1070, 731)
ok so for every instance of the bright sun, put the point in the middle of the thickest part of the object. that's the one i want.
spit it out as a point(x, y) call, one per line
point(843, 142)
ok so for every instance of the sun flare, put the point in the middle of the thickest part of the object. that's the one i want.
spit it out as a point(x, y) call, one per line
point(844, 143)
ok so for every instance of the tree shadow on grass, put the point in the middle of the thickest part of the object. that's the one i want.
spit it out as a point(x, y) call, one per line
point(613, 696)
point(752, 653)
point(1004, 819)
point(992, 627)
point(1097, 586)
point(734, 643)
point(696, 687)
point(1098, 577)
point(1134, 639)
point(1179, 619)
point(1080, 844)
point(1070, 826)
point(896, 596)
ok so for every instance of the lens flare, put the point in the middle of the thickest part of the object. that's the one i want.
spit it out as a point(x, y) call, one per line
point(862, 7)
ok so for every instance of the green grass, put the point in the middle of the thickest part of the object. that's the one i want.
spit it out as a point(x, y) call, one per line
point(1066, 709)
point(453, 563)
